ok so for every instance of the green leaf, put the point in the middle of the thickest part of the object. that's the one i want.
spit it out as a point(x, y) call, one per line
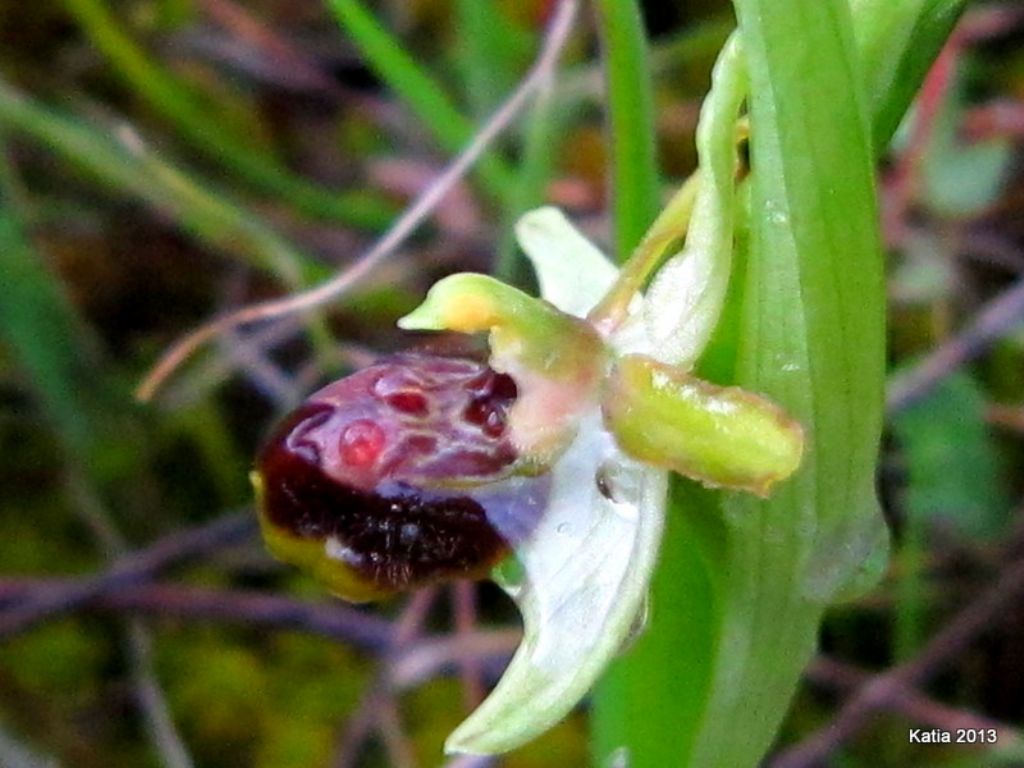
point(812, 339)
point(759, 573)
point(814, 305)
point(897, 43)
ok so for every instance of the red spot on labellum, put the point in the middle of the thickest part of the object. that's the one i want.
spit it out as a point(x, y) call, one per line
point(486, 415)
point(361, 443)
point(412, 403)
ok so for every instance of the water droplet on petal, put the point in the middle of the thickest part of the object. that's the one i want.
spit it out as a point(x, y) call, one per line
point(619, 758)
point(615, 482)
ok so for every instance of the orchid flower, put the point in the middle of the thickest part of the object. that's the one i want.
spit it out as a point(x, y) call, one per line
point(546, 466)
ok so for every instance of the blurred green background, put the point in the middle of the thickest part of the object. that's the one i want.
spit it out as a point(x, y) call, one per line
point(164, 160)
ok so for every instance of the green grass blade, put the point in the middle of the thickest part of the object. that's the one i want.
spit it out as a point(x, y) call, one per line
point(178, 104)
point(491, 50)
point(209, 215)
point(634, 182)
point(419, 90)
point(40, 328)
point(897, 43)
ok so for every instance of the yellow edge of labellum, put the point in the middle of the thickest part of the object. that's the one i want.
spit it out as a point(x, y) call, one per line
point(311, 556)
point(723, 437)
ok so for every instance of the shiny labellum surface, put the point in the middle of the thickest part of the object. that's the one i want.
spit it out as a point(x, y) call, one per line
point(396, 476)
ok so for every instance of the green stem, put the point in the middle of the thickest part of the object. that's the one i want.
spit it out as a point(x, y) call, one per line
point(670, 227)
point(742, 584)
point(632, 133)
point(178, 104)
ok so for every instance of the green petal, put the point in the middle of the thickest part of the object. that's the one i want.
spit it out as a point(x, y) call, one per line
point(519, 324)
point(722, 436)
point(686, 297)
point(585, 575)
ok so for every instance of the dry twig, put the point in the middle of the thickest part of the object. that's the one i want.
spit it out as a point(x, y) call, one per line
point(128, 571)
point(167, 742)
point(995, 319)
point(916, 706)
point(539, 74)
point(979, 616)
point(377, 707)
point(463, 595)
point(332, 619)
point(410, 666)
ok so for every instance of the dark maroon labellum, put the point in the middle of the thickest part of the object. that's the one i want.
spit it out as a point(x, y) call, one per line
point(404, 471)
